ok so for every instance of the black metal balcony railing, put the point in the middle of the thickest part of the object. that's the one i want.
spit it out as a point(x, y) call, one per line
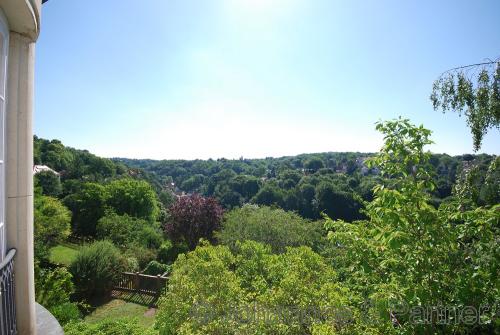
point(7, 301)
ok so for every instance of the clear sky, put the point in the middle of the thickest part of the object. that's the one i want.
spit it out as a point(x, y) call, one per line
point(171, 79)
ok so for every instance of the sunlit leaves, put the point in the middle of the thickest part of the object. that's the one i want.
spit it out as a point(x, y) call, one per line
point(410, 250)
point(476, 94)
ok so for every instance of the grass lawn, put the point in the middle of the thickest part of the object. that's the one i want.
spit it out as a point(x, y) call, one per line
point(118, 309)
point(63, 253)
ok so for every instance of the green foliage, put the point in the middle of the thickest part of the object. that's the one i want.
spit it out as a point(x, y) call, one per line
point(193, 183)
point(133, 197)
point(131, 264)
point(141, 254)
point(409, 252)
point(156, 268)
point(168, 251)
point(53, 287)
point(124, 230)
point(66, 312)
point(122, 326)
point(477, 185)
point(128, 197)
point(96, 268)
point(314, 164)
point(88, 205)
point(275, 227)
point(167, 198)
point(51, 224)
point(285, 182)
point(337, 203)
point(49, 183)
point(74, 164)
point(269, 195)
point(212, 291)
point(477, 97)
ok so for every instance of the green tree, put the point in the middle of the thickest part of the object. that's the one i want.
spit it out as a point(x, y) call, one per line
point(408, 252)
point(473, 93)
point(275, 227)
point(55, 155)
point(252, 291)
point(337, 203)
point(193, 183)
point(88, 205)
point(314, 164)
point(245, 185)
point(167, 198)
point(49, 182)
point(51, 221)
point(133, 197)
point(269, 195)
point(124, 230)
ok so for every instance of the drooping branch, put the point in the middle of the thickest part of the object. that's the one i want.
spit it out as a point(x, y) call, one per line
point(476, 95)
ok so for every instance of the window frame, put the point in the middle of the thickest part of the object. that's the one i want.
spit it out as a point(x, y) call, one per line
point(4, 51)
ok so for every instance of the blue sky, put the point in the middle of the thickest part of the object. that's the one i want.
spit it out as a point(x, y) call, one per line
point(189, 79)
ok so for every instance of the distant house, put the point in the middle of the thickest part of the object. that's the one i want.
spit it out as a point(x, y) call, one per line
point(43, 168)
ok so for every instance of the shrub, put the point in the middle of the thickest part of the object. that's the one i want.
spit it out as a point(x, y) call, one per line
point(66, 312)
point(131, 264)
point(155, 268)
point(141, 254)
point(275, 227)
point(193, 217)
point(52, 287)
point(96, 269)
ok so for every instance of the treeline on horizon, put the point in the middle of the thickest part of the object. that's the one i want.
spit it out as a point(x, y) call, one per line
point(333, 183)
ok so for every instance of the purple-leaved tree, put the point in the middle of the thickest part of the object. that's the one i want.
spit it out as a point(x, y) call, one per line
point(193, 217)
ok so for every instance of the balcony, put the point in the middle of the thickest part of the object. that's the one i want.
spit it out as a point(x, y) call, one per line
point(7, 304)
point(45, 322)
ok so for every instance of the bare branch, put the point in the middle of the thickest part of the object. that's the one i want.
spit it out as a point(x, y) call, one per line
point(488, 62)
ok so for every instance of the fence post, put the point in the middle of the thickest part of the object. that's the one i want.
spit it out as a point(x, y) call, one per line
point(136, 282)
point(158, 285)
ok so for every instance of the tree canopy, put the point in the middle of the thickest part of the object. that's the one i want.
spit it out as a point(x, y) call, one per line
point(193, 217)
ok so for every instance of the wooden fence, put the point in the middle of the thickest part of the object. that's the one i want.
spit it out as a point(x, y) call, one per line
point(141, 284)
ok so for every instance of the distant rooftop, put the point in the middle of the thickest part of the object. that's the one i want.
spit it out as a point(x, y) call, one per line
point(43, 168)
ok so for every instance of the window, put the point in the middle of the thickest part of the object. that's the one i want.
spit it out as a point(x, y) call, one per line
point(4, 49)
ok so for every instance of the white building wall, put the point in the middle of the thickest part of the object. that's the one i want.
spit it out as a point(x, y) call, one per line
point(19, 176)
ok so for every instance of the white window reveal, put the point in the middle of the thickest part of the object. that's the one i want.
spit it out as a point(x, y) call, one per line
point(4, 49)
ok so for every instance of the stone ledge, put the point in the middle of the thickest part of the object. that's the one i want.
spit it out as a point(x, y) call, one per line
point(46, 323)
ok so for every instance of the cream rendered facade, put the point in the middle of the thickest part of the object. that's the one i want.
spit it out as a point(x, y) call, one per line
point(23, 22)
